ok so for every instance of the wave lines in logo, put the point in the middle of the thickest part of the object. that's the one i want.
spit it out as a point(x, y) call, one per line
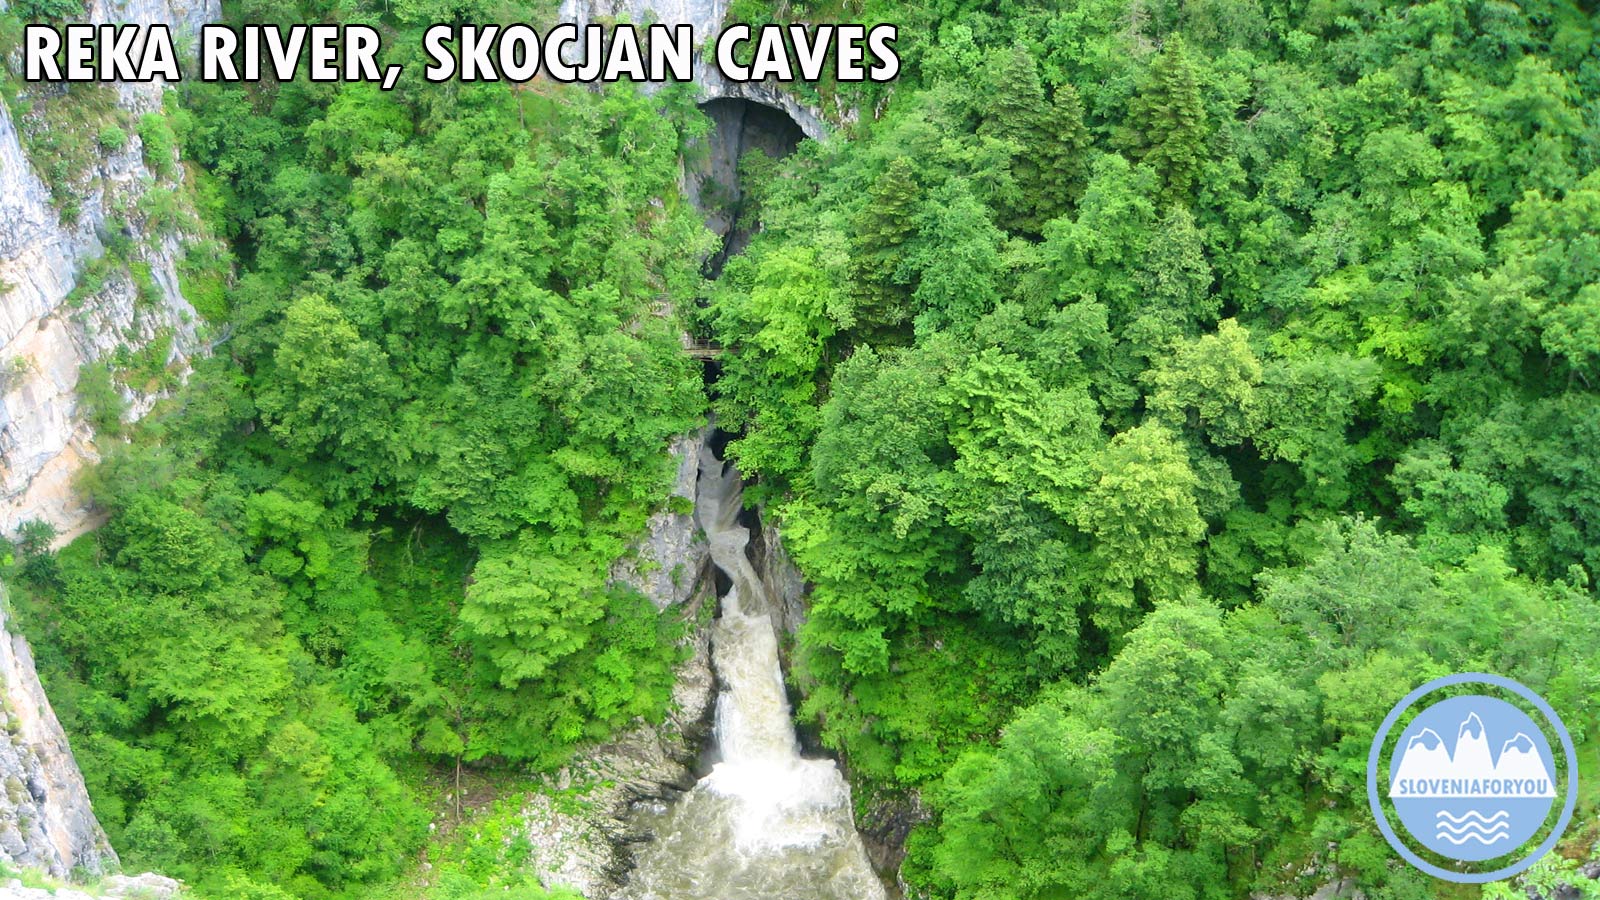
point(1473, 826)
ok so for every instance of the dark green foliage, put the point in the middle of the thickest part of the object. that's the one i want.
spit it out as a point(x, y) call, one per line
point(1166, 122)
point(1044, 138)
point(1219, 372)
point(878, 240)
point(48, 10)
point(1151, 393)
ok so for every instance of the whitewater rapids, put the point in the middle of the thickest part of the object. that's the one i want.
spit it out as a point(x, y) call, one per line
point(765, 823)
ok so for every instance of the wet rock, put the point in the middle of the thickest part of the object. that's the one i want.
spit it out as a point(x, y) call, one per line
point(580, 827)
point(785, 585)
point(884, 825)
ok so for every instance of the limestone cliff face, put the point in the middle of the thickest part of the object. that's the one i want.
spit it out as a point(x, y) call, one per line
point(667, 560)
point(45, 819)
point(705, 16)
point(54, 318)
point(586, 845)
point(88, 274)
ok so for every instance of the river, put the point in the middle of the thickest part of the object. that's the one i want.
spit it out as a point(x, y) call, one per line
point(765, 822)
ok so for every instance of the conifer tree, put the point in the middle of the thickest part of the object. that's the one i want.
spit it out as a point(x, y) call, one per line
point(1047, 140)
point(1062, 156)
point(882, 228)
point(1017, 101)
point(1167, 122)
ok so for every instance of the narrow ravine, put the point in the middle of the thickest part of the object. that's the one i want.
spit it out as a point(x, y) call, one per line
point(765, 822)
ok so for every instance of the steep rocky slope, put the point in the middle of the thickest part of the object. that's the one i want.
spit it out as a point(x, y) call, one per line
point(45, 819)
point(92, 231)
point(91, 234)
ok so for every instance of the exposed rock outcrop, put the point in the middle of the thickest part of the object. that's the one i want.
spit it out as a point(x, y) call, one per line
point(580, 829)
point(116, 887)
point(706, 18)
point(52, 319)
point(88, 273)
point(665, 563)
point(46, 822)
point(783, 581)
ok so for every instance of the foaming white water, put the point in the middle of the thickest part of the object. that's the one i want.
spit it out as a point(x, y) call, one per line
point(766, 822)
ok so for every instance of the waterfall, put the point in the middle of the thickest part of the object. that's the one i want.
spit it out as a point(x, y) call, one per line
point(765, 822)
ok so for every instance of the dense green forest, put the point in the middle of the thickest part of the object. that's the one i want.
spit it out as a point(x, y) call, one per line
point(1152, 392)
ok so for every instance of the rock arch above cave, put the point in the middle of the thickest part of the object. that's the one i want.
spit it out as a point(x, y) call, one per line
point(712, 182)
point(705, 17)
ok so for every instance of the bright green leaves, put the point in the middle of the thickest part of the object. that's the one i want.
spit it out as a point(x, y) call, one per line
point(1164, 690)
point(330, 390)
point(453, 350)
point(361, 121)
point(1098, 361)
point(570, 657)
point(1141, 511)
point(1210, 384)
point(1357, 594)
point(1177, 769)
point(1027, 801)
point(1022, 461)
point(778, 312)
point(788, 316)
point(1548, 255)
point(956, 254)
point(506, 283)
point(530, 605)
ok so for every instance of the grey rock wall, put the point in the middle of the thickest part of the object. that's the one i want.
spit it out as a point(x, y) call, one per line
point(705, 16)
point(46, 335)
point(785, 585)
point(665, 563)
point(46, 821)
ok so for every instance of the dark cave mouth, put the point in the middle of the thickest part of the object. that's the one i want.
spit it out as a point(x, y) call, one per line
point(739, 126)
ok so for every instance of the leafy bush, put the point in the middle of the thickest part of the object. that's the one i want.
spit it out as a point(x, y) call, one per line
point(111, 137)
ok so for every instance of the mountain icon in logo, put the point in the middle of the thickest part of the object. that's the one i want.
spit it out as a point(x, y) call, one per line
point(1428, 768)
point(1472, 778)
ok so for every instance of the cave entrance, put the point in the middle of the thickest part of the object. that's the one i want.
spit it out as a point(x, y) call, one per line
point(738, 127)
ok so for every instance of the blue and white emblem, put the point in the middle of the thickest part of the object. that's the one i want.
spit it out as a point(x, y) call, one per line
point(1472, 779)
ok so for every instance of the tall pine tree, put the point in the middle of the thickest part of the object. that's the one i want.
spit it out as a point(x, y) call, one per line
point(882, 228)
point(1046, 139)
point(1166, 125)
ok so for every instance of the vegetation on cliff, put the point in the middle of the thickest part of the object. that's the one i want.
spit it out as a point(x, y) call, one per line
point(1152, 392)
point(1155, 393)
point(372, 534)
